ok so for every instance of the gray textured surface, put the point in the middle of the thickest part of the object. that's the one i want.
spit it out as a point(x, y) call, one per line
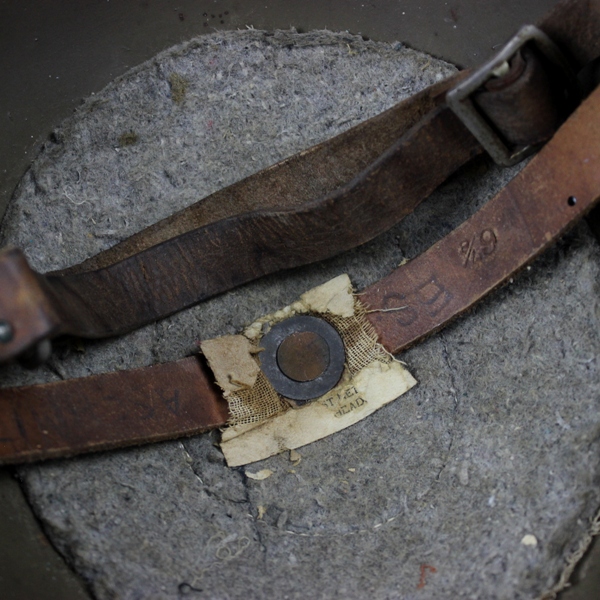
point(500, 439)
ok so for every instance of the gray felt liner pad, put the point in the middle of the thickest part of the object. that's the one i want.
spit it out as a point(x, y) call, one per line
point(500, 438)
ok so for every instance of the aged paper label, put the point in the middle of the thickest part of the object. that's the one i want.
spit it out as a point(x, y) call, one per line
point(373, 387)
point(262, 423)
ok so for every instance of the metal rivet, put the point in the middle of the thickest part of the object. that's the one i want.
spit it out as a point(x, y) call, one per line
point(303, 357)
point(6, 332)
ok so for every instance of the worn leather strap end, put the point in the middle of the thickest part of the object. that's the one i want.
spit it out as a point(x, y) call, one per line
point(110, 410)
point(26, 313)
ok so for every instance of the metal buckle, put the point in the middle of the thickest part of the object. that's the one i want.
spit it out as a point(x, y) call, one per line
point(459, 100)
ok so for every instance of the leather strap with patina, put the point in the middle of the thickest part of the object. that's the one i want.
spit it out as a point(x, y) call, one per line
point(558, 187)
point(355, 186)
point(176, 399)
point(106, 411)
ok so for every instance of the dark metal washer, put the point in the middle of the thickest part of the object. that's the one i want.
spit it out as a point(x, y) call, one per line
point(302, 391)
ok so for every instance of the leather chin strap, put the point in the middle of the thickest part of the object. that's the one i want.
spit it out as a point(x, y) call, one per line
point(558, 187)
point(283, 217)
point(356, 185)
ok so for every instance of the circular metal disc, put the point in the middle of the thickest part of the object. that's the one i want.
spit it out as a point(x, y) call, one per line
point(303, 356)
point(297, 359)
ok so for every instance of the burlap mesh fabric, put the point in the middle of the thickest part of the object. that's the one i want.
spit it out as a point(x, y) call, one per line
point(256, 404)
point(261, 401)
point(360, 339)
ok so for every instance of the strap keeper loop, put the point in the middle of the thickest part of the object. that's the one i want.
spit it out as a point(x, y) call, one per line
point(460, 100)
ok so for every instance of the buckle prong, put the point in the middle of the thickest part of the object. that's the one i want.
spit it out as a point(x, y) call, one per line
point(459, 98)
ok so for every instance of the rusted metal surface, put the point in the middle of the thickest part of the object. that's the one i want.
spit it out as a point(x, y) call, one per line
point(303, 356)
point(530, 122)
point(288, 361)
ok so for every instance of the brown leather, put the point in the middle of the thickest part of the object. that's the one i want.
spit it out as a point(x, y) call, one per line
point(536, 100)
point(556, 188)
point(305, 200)
point(23, 303)
point(111, 410)
point(354, 186)
point(210, 260)
point(574, 25)
point(171, 400)
point(291, 183)
point(105, 411)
